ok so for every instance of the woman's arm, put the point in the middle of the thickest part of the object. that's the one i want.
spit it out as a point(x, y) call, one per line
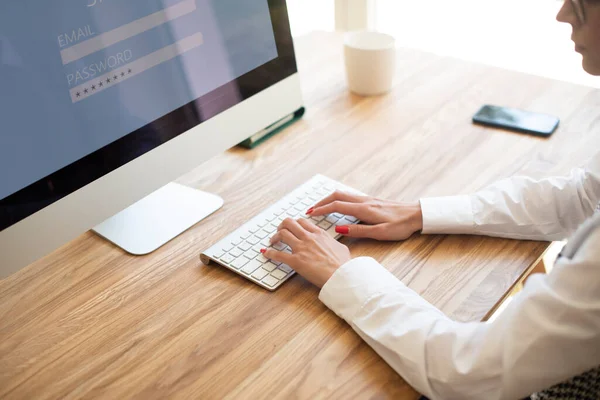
point(549, 333)
point(520, 207)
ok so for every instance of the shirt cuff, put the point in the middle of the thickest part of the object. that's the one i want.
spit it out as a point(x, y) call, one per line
point(453, 214)
point(354, 283)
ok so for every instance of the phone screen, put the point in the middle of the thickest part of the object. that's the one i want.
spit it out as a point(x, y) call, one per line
point(518, 120)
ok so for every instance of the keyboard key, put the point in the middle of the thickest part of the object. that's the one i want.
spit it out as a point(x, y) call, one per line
point(262, 259)
point(219, 253)
point(337, 215)
point(276, 262)
point(253, 240)
point(227, 258)
point(237, 241)
point(287, 250)
point(253, 229)
point(257, 247)
point(265, 242)
point(279, 246)
point(307, 202)
point(263, 223)
point(350, 218)
point(245, 246)
point(285, 268)
point(227, 247)
point(239, 262)
point(245, 235)
point(324, 224)
point(270, 281)
point(331, 219)
point(260, 273)
point(270, 266)
point(236, 252)
point(262, 234)
point(342, 221)
point(250, 254)
point(312, 221)
point(292, 212)
point(300, 207)
point(278, 211)
point(251, 267)
point(279, 274)
point(270, 229)
point(318, 218)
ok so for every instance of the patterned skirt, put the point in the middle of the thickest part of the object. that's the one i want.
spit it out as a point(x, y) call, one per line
point(583, 387)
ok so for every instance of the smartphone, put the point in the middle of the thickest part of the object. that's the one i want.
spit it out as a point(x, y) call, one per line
point(516, 120)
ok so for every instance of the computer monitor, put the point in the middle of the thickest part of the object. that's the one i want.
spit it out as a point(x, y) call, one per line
point(102, 102)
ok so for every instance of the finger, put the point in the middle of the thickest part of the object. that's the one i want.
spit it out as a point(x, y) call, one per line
point(279, 256)
point(294, 227)
point(309, 226)
point(286, 237)
point(275, 238)
point(378, 232)
point(358, 210)
point(338, 195)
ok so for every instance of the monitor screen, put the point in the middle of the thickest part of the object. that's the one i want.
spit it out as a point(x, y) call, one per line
point(89, 85)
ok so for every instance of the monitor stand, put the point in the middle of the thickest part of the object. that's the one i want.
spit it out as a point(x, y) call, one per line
point(157, 218)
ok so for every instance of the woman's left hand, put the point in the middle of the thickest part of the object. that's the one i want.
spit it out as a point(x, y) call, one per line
point(315, 255)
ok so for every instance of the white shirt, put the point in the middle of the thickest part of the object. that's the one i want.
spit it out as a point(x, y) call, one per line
point(549, 333)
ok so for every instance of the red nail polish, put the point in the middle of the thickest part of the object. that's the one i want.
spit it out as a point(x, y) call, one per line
point(263, 251)
point(344, 230)
point(310, 210)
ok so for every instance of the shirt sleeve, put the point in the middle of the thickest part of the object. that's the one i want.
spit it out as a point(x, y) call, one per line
point(519, 207)
point(550, 332)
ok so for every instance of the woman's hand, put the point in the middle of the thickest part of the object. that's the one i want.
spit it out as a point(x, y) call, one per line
point(381, 219)
point(315, 255)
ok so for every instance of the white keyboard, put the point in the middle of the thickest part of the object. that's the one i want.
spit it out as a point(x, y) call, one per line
point(240, 250)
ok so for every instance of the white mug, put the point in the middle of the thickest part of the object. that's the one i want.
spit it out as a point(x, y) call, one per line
point(370, 62)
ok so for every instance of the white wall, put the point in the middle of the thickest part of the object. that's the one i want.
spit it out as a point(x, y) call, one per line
point(520, 35)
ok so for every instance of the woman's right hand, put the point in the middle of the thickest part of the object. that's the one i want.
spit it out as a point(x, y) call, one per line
point(380, 219)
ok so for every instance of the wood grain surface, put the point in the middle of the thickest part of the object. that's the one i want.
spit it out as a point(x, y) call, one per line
point(89, 321)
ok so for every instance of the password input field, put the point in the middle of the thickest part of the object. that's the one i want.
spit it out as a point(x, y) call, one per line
point(127, 71)
point(126, 31)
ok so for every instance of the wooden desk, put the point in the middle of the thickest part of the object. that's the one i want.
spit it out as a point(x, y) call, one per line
point(90, 321)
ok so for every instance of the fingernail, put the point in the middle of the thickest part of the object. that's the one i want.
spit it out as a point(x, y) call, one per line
point(263, 251)
point(310, 210)
point(342, 229)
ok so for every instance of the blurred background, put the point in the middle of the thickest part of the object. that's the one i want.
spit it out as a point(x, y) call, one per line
point(521, 35)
